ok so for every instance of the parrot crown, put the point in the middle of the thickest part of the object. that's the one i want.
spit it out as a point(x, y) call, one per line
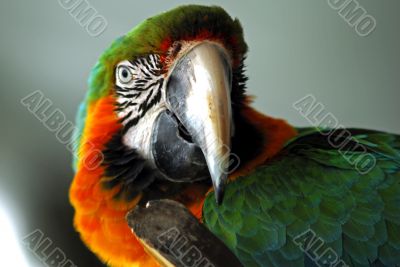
point(164, 36)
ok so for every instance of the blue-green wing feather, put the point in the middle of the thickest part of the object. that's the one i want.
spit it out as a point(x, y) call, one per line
point(312, 188)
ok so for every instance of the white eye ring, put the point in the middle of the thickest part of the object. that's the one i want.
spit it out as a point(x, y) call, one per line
point(124, 74)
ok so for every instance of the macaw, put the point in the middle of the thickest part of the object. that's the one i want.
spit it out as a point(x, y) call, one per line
point(167, 116)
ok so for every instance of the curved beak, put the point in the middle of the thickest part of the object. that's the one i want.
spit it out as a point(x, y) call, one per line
point(198, 93)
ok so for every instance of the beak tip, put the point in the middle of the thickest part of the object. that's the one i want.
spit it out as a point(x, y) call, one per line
point(219, 190)
point(219, 196)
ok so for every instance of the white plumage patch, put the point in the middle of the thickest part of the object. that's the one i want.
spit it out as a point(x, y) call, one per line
point(139, 86)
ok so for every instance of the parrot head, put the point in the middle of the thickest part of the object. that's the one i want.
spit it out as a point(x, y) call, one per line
point(166, 106)
point(175, 106)
point(177, 83)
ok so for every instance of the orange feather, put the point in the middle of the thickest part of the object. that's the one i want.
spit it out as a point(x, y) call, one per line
point(100, 219)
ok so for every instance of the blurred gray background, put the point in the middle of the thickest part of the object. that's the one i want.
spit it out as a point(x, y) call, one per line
point(296, 48)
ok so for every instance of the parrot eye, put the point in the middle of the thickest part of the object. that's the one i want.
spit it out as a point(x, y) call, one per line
point(124, 75)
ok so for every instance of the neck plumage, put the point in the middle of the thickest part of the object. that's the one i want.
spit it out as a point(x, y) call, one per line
point(258, 138)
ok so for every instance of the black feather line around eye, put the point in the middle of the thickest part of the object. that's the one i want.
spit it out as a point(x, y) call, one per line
point(144, 107)
point(127, 116)
point(140, 82)
point(126, 93)
point(153, 84)
point(131, 123)
point(131, 95)
point(146, 71)
point(153, 62)
point(121, 105)
point(122, 89)
point(156, 72)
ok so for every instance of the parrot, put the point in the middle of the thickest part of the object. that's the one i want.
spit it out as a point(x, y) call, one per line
point(167, 116)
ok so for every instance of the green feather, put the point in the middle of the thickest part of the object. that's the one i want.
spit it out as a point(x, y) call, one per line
point(312, 186)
